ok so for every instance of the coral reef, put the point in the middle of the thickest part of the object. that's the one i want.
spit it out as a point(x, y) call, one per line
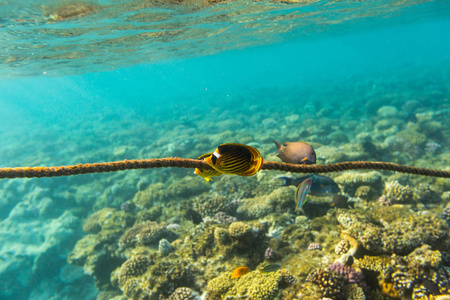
point(145, 233)
point(423, 271)
point(255, 285)
point(339, 281)
point(279, 200)
point(354, 182)
point(400, 235)
point(342, 247)
point(207, 205)
point(143, 277)
point(183, 293)
point(397, 193)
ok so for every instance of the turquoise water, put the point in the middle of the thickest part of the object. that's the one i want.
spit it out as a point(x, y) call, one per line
point(144, 79)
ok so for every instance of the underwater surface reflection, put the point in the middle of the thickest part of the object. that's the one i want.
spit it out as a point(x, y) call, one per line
point(355, 80)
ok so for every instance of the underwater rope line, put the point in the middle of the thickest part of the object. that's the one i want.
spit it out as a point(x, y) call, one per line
point(38, 172)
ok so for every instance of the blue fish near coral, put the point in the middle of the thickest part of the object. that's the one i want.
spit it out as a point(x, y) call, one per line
point(302, 192)
point(322, 186)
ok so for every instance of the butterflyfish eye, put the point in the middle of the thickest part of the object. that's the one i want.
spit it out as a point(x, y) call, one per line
point(214, 157)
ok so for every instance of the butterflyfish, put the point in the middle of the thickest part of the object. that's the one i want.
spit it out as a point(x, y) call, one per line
point(206, 174)
point(302, 192)
point(235, 159)
point(238, 272)
point(296, 153)
point(322, 186)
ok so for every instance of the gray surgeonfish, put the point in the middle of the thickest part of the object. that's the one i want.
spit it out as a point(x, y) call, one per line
point(296, 153)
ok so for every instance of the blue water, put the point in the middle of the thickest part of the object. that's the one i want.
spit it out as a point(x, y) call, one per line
point(84, 109)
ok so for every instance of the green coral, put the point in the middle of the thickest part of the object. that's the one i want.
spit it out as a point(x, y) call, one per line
point(410, 272)
point(96, 253)
point(354, 292)
point(187, 187)
point(279, 200)
point(397, 193)
point(208, 205)
point(146, 198)
point(145, 278)
point(352, 180)
point(239, 230)
point(107, 219)
point(133, 267)
point(254, 285)
point(400, 236)
point(145, 233)
point(412, 136)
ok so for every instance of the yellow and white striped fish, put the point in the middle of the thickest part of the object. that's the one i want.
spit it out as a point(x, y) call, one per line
point(206, 174)
point(235, 159)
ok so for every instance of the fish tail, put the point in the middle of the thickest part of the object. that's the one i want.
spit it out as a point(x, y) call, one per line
point(287, 180)
point(279, 148)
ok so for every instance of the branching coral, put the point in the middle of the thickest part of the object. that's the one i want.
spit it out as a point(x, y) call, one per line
point(397, 193)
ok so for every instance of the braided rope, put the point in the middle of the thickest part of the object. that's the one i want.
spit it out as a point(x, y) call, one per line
point(115, 166)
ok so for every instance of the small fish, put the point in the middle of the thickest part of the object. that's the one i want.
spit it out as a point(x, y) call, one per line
point(235, 159)
point(322, 186)
point(296, 153)
point(206, 174)
point(341, 201)
point(269, 268)
point(314, 246)
point(238, 272)
point(302, 191)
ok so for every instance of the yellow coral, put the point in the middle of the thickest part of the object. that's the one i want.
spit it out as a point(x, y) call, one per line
point(254, 285)
point(373, 263)
point(239, 229)
point(133, 267)
point(387, 288)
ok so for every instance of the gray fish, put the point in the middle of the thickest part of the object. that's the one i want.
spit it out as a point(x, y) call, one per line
point(341, 201)
point(269, 268)
point(296, 153)
point(322, 186)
